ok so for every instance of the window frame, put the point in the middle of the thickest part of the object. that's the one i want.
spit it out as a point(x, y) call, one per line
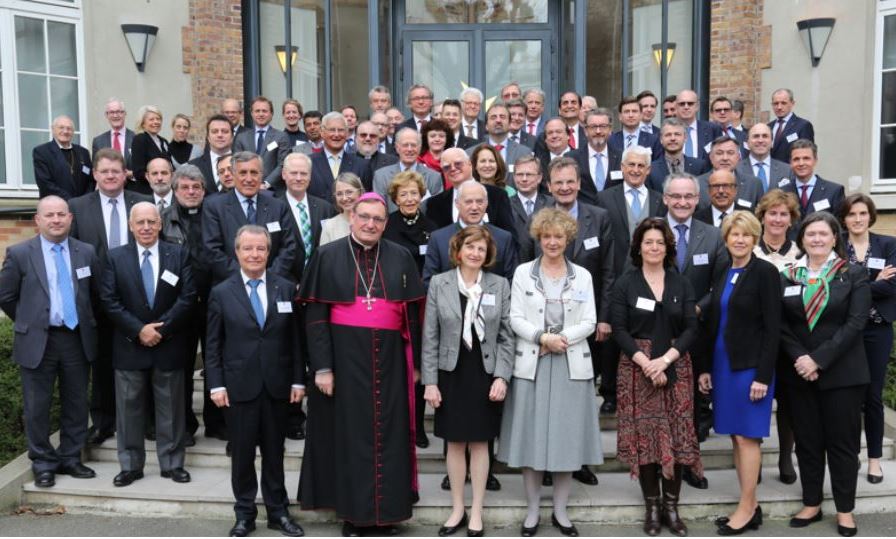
point(885, 8)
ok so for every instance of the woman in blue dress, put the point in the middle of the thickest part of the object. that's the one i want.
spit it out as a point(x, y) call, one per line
point(745, 319)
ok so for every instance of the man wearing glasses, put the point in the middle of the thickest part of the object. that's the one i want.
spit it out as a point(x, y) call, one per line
point(118, 136)
point(722, 112)
point(724, 154)
point(368, 149)
point(327, 165)
point(599, 165)
point(698, 133)
point(420, 104)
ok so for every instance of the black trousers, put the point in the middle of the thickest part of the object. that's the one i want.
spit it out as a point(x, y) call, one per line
point(878, 342)
point(827, 425)
point(608, 352)
point(63, 359)
point(102, 379)
point(258, 423)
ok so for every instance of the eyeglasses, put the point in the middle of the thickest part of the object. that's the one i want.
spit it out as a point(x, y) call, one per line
point(600, 127)
point(524, 174)
point(678, 197)
point(686, 103)
point(456, 164)
point(114, 112)
point(377, 220)
point(367, 135)
point(421, 98)
point(720, 186)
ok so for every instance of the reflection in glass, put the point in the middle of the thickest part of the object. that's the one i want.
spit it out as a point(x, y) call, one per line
point(350, 47)
point(441, 65)
point(2, 156)
point(888, 153)
point(64, 98)
point(889, 42)
point(888, 98)
point(306, 21)
point(476, 11)
point(647, 30)
point(604, 51)
point(30, 139)
point(33, 104)
point(30, 55)
point(62, 54)
point(507, 61)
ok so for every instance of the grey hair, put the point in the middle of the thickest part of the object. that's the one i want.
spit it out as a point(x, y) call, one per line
point(140, 205)
point(188, 171)
point(379, 89)
point(673, 122)
point(407, 130)
point(331, 116)
point(537, 91)
point(600, 111)
point(474, 91)
point(680, 176)
point(297, 156)
point(786, 90)
point(255, 230)
point(639, 151)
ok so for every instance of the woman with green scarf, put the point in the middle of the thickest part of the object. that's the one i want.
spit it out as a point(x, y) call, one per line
point(823, 366)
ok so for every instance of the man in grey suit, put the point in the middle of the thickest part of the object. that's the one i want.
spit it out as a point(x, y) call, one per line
point(269, 143)
point(46, 288)
point(526, 203)
point(118, 137)
point(497, 127)
point(724, 154)
point(407, 144)
point(759, 163)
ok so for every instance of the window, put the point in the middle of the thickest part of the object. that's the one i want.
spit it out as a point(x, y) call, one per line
point(883, 153)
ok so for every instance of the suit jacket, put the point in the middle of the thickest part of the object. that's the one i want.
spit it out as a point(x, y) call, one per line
point(706, 133)
point(318, 210)
point(25, 298)
point(305, 148)
point(104, 140)
point(125, 302)
point(443, 326)
point(779, 171)
point(53, 175)
point(481, 135)
point(883, 292)
point(645, 139)
point(223, 215)
point(276, 147)
point(706, 259)
point(659, 170)
point(374, 163)
point(704, 214)
point(464, 142)
point(826, 196)
point(88, 225)
point(749, 190)
point(521, 222)
point(835, 343)
point(248, 359)
point(524, 138)
point(440, 208)
point(438, 261)
point(587, 187)
point(800, 127)
point(613, 200)
point(383, 177)
point(143, 151)
point(322, 178)
point(410, 122)
point(205, 165)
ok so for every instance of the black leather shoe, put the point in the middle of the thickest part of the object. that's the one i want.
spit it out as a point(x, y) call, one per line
point(787, 478)
point(76, 470)
point(492, 483)
point(875, 479)
point(422, 440)
point(350, 530)
point(753, 524)
point(569, 531)
point(126, 478)
point(608, 407)
point(693, 480)
point(98, 437)
point(45, 479)
point(297, 434)
point(178, 475)
point(383, 531)
point(242, 528)
point(528, 532)
point(547, 479)
point(585, 475)
point(189, 440)
point(803, 522)
point(445, 531)
point(475, 533)
point(287, 527)
point(446, 483)
point(847, 532)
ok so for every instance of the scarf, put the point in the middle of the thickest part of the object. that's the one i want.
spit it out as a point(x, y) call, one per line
point(472, 313)
point(815, 291)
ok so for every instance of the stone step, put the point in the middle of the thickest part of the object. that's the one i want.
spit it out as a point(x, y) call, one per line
point(616, 499)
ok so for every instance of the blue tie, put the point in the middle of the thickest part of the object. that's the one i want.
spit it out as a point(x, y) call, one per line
point(259, 142)
point(629, 139)
point(688, 144)
point(64, 283)
point(636, 203)
point(681, 247)
point(149, 283)
point(114, 225)
point(255, 300)
point(763, 177)
point(250, 211)
point(600, 177)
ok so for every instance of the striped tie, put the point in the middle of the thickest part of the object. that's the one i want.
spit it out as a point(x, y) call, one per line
point(305, 229)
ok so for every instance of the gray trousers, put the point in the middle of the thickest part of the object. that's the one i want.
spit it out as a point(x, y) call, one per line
point(130, 406)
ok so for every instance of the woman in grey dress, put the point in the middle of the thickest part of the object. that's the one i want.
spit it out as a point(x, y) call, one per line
point(550, 418)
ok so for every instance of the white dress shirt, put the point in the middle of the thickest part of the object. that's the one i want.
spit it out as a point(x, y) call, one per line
point(642, 195)
point(604, 161)
point(122, 216)
point(153, 259)
point(167, 198)
point(293, 207)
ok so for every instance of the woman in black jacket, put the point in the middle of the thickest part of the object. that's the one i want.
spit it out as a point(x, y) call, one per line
point(824, 370)
point(147, 145)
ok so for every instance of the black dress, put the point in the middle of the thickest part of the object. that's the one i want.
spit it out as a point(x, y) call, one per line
point(410, 234)
point(466, 413)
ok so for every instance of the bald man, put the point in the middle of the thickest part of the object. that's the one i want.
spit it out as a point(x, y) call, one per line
point(61, 167)
point(759, 163)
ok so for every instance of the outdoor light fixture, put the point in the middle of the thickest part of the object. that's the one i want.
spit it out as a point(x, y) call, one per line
point(140, 38)
point(281, 56)
point(658, 53)
point(815, 34)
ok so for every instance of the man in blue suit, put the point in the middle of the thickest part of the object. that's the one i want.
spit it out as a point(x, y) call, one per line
point(327, 165)
point(787, 127)
point(698, 133)
point(672, 137)
point(631, 133)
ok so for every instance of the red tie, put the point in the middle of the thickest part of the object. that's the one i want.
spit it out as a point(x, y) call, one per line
point(780, 130)
point(116, 144)
point(804, 198)
point(531, 128)
point(499, 147)
point(572, 139)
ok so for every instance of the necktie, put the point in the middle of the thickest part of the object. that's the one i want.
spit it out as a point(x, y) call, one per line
point(731, 133)
point(636, 202)
point(255, 300)
point(64, 283)
point(350, 144)
point(804, 197)
point(149, 284)
point(382, 147)
point(116, 143)
point(646, 128)
point(688, 144)
point(675, 165)
point(161, 204)
point(722, 218)
point(305, 230)
point(572, 139)
point(499, 147)
point(599, 177)
point(114, 225)
point(763, 177)
point(250, 211)
point(531, 128)
point(420, 125)
point(681, 247)
point(259, 142)
point(530, 207)
point(334, 165)
point(780, 131)
point(469, 128)
point(515, 138)
point(629, 139)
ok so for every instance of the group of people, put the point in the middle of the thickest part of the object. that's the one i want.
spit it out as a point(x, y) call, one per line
point(492, 269)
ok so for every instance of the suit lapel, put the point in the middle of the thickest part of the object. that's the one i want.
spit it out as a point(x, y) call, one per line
point(452, 296)
point(235, 209)
point(238, 288)
point(696, 242)
point(273, 291)
point(36, 256)
point(133, 266)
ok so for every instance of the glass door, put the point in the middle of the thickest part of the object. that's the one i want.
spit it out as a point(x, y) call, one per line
point(441, 60)
point(521, 56)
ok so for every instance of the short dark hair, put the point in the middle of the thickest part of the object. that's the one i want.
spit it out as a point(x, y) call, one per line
point(802, 144)
point(313, 114)
point(452, 103)
point(647, 93)
point(262, 99)
point(352, 107)
point(852, 200)
point(627, 100)
point(832, 222)
point(720, 99)
point(653, 223)
point(215, 118)
point(436, 125)
point(109, 154)
point(737, 106)
point(718, 141)
point(562, 162)
point(578, 97)
point(669, 99)
point(472, 233)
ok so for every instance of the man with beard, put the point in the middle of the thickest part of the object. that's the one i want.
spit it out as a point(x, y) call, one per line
point(367, 148)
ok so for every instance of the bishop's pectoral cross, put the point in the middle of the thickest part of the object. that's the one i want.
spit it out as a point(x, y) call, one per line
point(369, 301)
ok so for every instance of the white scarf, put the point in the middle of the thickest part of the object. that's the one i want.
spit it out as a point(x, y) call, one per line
point(471, 320)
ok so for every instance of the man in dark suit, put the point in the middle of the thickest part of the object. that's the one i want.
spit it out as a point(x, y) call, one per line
point(381, 121)
point(568, 109)
point(724, 155)
point(720, 110)
point(62, 168)
point(497, 135)
point(534, 99)
point(517, 111)
point(232, 109)
point(255, 369)
point(270, 144)
point(787, 128)
point(631, 133)
point(219, 142)
point(724, 198)
point(327, 165)
point(46, 288)
point(118, 137)
point(813, 192)
point(246, 204)
point(597, 158)
point(649, 104)
point(367, 148)
point(408, 143)
point(553, 143)
point(526, 203)
point(672, 137)
point(420, 104)
point(451, 113)
point(147, 290)
point(100, 219)
point(759, 163)
point(698, 133)
point(472, 125)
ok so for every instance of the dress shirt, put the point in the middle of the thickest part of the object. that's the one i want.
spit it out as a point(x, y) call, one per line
point(642, 194)
point(402, 167)
point(604, 161)
point(293, 207)
point(693, 137)
point(167, 198)
point(56, 314)
point(574, 211)
point(636, 134)
point(524, 199)
point(213, 157)
point(646, 127)
point(242, 199)
point(673, 223)
point(556, 155)
point(504, 143)
point(786, 120)
point(475, 131)
point(534, 123)
point(425, 119)
point(122, 216)
point(768, 166)
point(797, 183)
point(153, 259)
point(717, 215)
point(329, 155)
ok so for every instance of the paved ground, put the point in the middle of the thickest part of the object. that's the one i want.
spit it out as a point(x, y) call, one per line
point(881, 525)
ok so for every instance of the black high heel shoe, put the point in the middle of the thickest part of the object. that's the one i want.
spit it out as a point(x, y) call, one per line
point(753, 524)
point(528, 532)
point(569, 531)
point(445, 531)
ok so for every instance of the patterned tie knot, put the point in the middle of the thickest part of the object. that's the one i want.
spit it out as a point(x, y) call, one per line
point(499, 147)
point(113, 201)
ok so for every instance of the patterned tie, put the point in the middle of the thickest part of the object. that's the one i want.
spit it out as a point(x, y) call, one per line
point(731, 133)
point(334, 165)
point(255, 300)
point(647, 129)
point(515, 138)
point(530, 207)
point(114, 225)
point(305, 230)
point(161, 204)
point(250, 211)
point(722, 218)
point(116, 143)
point(572, 139)
point(681, 247)
point(636, 202)
point(804, 198)
point(762, 176)
point(531, 128)
point(689, 144)
point(469, 128)
point(675, 165)
point(149, 284)
point(779, 132)
point(64, 283)
point(629, 139)
point(599, 177)
point(259, 142)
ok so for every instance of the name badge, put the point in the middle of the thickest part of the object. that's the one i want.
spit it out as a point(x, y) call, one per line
point(85, 169)
point(580, 296)
point(284, 307)
point(298, 142)
point(734, 278)
point(783, 181)
point(488, 300)
point(822, 204)
point(423, 250)
point(273, 226)
point(272, 146)
point(744, 203)
point(746, 146)
point(645, 304)
point(876, 263)
point(485, 218)
point(791, 137)
point(708, 147)
point(701, 259)
point(794, 290)
point(170, 278)
point(510, 168)
point(592, 243)
point(615, 174)
point(83, 273)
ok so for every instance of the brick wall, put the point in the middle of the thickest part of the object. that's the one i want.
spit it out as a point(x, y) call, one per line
point(15, 228)
point(740, 47)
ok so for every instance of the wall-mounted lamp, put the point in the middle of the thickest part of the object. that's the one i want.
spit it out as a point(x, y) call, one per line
point(140, 38)
point(281, 56)
point(815, 34)
point(658, 53)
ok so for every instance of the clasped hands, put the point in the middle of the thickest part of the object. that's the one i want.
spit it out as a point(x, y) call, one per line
point(554, 343)
point(806, 368)
point(654, 369)
point(433, 396)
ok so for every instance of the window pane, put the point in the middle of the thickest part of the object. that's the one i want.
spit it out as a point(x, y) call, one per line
point(308, 71)
point(1, 103)
point(476, 11)
point(604, 48)
point(30, 45)
point(512, 61)
point(889, 42)
point(350, 49)
point(64, 98)
point(30, 139)
point(888, 153)
point(2, 156)
point(33, 104)
point(63, 60)
point(647, 31)
point(444, 66)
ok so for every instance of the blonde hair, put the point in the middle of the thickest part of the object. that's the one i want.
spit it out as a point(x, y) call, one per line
point(743, 220)
point(553, 219)
point(141, 116)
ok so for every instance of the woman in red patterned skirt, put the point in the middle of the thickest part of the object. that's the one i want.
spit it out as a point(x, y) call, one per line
point(655, 324)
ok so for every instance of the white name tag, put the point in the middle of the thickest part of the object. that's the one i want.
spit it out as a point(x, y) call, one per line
point(744, 203)
point(83, 273)
point(485, 218)
point(298, 143)
point(85, 169)
point(423, 250)
point(734, 278)
point(592, 243)
point(701, 259)
point(783, 181)
point(645, 304)
point(273, 226)
point(579, 295)
point(821, 205)
point(708, 147)
point(791, 137)
point(170, 278)
point(746, 146)
point(794, 290)
point(615, 174)
point(488, 299)
point(510, 168)
point(284, 306)
point(272, 146)
point(876, 263)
